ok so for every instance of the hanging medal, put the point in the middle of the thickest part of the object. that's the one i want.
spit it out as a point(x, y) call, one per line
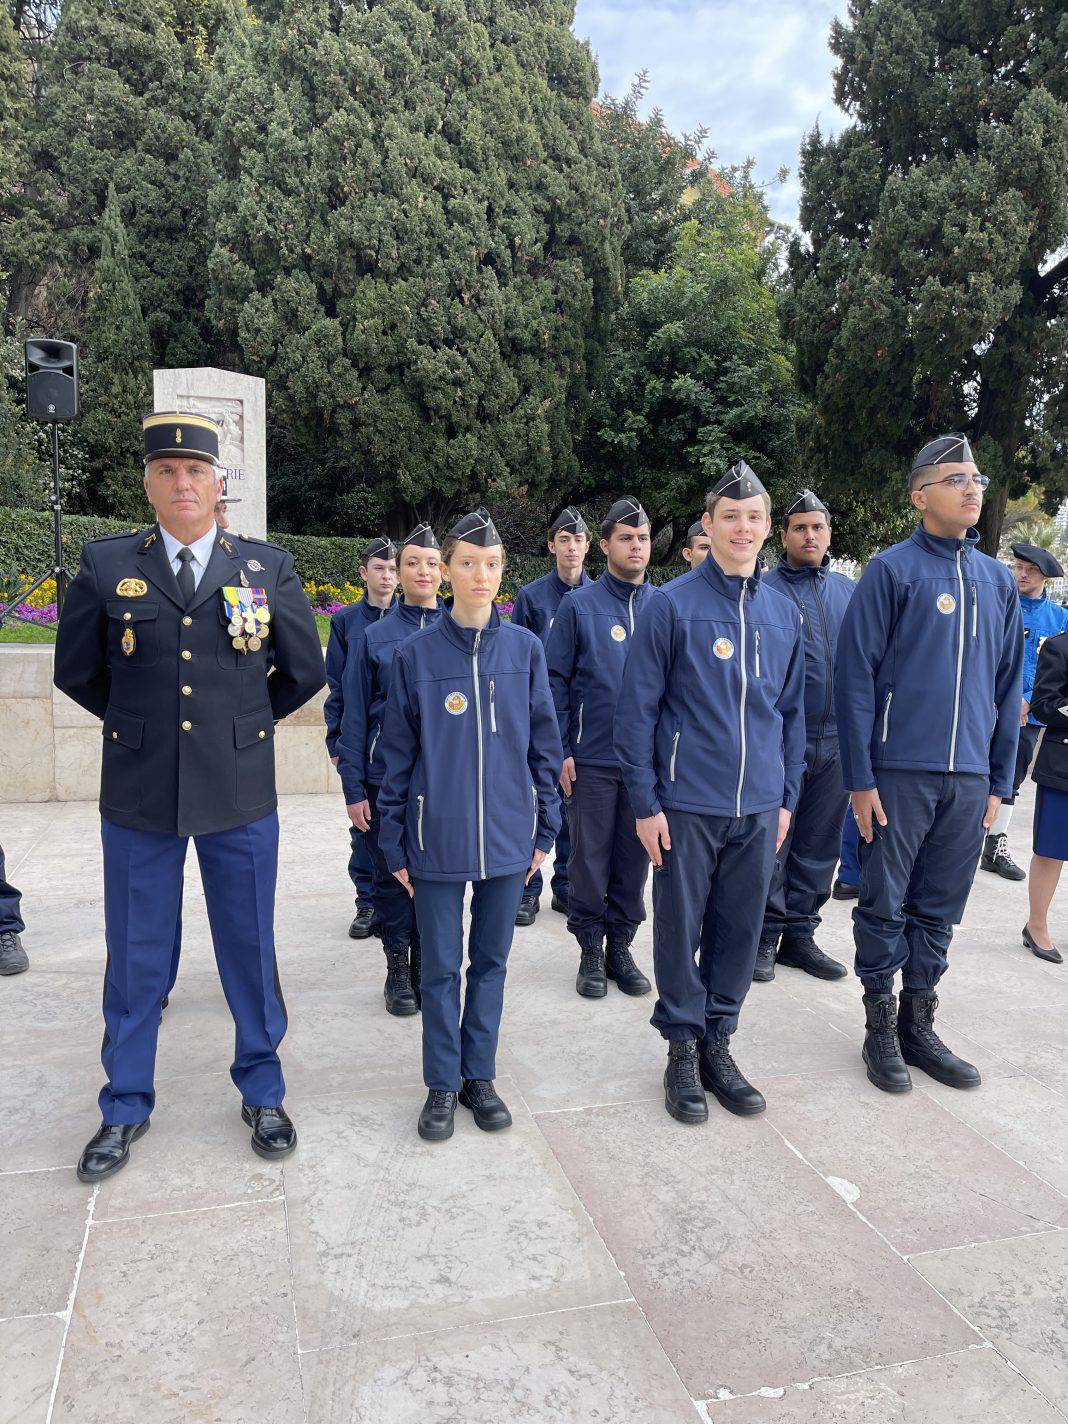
point(247, 617)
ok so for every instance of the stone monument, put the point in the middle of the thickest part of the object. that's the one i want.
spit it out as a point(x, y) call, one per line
point(238, 403)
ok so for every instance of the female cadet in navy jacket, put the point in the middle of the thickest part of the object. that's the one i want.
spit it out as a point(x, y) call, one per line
point(472, 754)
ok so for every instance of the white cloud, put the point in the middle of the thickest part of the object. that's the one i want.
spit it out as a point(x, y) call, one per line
point(756, 73)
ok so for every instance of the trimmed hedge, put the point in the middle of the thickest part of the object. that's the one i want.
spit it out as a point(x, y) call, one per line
point(26, 547)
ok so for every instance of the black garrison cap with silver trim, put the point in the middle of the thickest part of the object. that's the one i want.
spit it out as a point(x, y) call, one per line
point(695, 529)
point(568, 521)
point(740, 482)
point(476, 528)
point(1042, 559)
point(627, 511)
point(423, 537)
point(945, 450)
point(805, 502)
point(381, 548)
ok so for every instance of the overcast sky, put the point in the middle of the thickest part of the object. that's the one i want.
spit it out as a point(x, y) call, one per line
point(755, 73)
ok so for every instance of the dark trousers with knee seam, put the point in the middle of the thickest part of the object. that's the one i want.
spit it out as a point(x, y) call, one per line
point(464, 1045)
point(916, 875)
point(143, 872)
point(361, 872)
point(706, 920)
point(394, 907)
point(804, 867)
point(608, 864)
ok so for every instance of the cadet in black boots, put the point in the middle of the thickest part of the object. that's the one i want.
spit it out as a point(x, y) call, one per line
point(536, 605)
point(805, 864)
point(472, 756)
point(710, 734)
point(927, 691)
point(586, 652)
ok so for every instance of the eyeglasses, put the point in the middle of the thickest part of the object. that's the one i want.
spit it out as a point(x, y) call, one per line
point(959, 482)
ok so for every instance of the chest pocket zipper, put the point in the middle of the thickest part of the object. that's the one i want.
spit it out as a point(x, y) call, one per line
point(374, 743)
point(975, 610)
point(674, 753)
point(756, 636)
point(886, 714)
point(419, 821)
point(493, 707)
point(534, 831)
point(579, 737)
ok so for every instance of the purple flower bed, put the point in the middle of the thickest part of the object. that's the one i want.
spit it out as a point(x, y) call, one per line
point(44, 615)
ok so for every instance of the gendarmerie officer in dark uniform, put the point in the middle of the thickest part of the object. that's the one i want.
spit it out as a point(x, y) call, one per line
point(189, 644)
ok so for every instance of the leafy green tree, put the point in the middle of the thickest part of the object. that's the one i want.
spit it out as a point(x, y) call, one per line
point(417, 243)
point(929, 291)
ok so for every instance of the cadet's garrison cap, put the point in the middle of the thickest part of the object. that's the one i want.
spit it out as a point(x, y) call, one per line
point(1042, 559)
point(180, 432)
point(740, 482)
point(694, 530)
point(568, 521)
point(946, 450)
point(422, 536)
point(627, 511)
point(381, 548)
point(805, 502)
point(476, 528)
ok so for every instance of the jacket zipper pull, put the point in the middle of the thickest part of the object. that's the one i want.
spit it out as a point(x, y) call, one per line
point(756, 636)
point(493, 707)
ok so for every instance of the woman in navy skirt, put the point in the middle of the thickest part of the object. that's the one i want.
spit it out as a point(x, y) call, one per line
point(471, 755)
point(1049, 703)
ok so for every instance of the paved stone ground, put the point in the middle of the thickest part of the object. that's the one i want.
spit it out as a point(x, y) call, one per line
point(848, 1257)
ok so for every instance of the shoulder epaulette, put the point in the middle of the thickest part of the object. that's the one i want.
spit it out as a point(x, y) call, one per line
point(103, 538)
point(251, 539)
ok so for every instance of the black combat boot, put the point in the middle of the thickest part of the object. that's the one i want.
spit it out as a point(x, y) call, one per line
point(399, 994)
point(362, 926)
point(721, 1076)
point(591, 981)
point(997, 859)
point(438, 1117)
point(806, 954)
point(684, 1097)
point(13, 958)
point(619, 966)
point(489, 1110)
point(882, 1050)
point(764, 972)
point(922, 1047)
point(527, 913)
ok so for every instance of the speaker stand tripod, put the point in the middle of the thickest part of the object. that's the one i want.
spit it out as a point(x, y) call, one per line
point(57, 571)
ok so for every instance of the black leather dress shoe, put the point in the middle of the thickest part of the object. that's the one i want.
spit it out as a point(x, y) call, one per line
point(1051, 955)
point(619, 966)
point(684, 1097)
point(560, 904)
point(109, 1150)
point(721, 1076)
point(528, 911)
point(842, 890)
point(438, 1117)
point(13, 958)
point(482, 1098)
point(363, 926)
point(273, 1134)
point(806, 954)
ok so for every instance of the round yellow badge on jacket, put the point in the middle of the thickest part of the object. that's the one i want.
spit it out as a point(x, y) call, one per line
point(456, 703)
point(723, 648)
point(946, 603)
point(618, 632)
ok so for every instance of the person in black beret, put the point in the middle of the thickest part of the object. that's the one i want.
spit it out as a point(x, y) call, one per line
point(1042, 619)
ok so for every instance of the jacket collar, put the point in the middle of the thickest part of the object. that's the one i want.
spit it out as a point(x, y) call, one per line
point(560, 587)
point(1032, 603)
point(409, 613)
point(944, 548)
point(792, 575)
point(464, 638)
point(370, 614)
point(730, 585)
point(620, 587)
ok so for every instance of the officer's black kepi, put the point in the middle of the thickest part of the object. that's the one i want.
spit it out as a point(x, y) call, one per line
point(381, 548)
point(568, 521)
point(423, 537)
point(627, 511)
point(805, 502)
point(945, 450)
point(1042, 559)
point(180, 432)
point(476, 528)
point(740, 482)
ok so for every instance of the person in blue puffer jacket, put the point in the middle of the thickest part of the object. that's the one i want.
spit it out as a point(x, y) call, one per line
point(472, 755)
point(927, 692)
point(804, 868)
point(378, 572)
point(365, 684)
point(536, 605)
point(586, 652)
point(710, 735)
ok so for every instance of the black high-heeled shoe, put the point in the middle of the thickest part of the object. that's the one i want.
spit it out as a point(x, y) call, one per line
point(1051, 955)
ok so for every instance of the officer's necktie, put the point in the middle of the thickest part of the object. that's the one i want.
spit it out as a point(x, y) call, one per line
point(186, 582)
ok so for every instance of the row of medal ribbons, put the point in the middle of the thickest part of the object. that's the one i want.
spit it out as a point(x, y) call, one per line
point(247, 617)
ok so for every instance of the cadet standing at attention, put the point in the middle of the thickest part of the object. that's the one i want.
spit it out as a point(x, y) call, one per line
point(696, 546)
point(472, 755)
point(535, 608)
point(804, 868)
point(365, 685)
point(586, 651)
point(168, 636)
point(927, 691)
point(710, 733)
point(378, 572)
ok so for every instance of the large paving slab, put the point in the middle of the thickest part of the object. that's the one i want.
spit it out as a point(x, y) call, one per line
point(29, 1354)
point(42, 1228)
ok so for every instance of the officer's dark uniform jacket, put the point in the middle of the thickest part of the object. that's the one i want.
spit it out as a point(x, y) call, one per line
point(711, 715)
point(585, 652)
point(822, 597)
point(188, 720)
point(1050, 700)
point(365, 684)
point(927, 676)
point(471, 753)
point(347, 626)
point(536, 603)
point(1042, 619)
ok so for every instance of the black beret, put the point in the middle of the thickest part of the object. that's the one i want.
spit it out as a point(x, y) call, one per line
point(740, 482)
point(568, 521)
point(805, 502)
point(1042, 559)
point(382, 547)
point(945, 450)
point(422, 536)
point(180, 432)
point(476, 528)
point(627, 511)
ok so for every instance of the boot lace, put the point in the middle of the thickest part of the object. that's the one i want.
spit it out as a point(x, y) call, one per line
point(480, 1090)
point(1001, 849)
point(397, 966)
point(8, 941)
point(719, 1055)
point(592, 961)
point(621, 959)
point(682, 1068)
point(440, 1098)
point(884, 1028)
point(922, 1027)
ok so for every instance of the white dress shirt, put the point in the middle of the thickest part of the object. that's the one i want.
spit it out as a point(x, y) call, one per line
point(201, 551)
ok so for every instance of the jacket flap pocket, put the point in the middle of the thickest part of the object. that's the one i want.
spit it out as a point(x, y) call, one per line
point(132, 612)
point(254, 727)
point(123, 727)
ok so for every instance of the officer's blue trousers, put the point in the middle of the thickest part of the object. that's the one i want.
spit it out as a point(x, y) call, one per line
point(608, 864)
point(360, 872)
point(848, 858)
point(456, 1046)
point(706, 920)
point(916, 874)
point(10, 915)
point(393, 905)
point(558, 884)
point(804, 868)
point(142, 893)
